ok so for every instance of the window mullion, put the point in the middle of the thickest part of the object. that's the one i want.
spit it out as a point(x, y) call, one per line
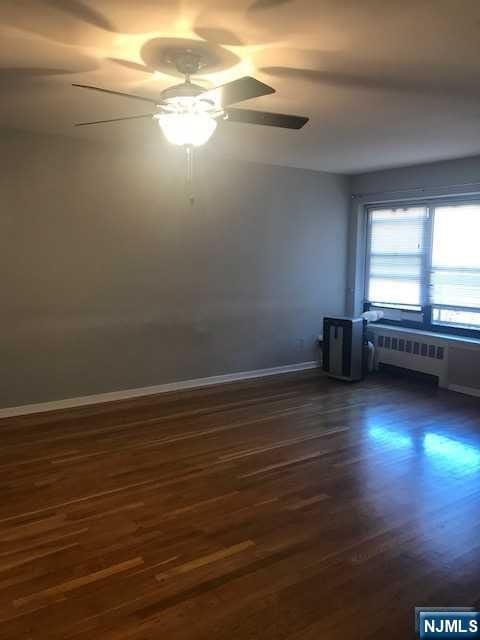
point(368, 257)
point(427, 267)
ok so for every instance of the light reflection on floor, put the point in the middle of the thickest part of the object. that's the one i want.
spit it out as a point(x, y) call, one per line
point(453, 454)
point(395, 439)
point(458, 456)
point(427, 472)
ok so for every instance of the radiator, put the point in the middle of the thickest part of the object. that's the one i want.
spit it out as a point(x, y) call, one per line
point(453, 360)
point(410, 351)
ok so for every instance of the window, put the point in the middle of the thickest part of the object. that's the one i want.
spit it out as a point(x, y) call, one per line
point(395, 257)
point(423, 265)
point(455, 274)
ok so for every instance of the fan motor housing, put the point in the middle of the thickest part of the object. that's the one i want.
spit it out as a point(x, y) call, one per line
point(188, 61)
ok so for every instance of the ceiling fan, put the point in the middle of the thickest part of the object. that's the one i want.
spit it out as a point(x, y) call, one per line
point(188, 113)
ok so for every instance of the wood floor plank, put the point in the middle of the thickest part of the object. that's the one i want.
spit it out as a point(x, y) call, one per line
point(70, 585)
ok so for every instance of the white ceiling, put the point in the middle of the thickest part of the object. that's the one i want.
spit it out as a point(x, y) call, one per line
point(385, 82)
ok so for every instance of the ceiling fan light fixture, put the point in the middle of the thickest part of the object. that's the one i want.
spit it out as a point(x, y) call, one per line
point(187, 128)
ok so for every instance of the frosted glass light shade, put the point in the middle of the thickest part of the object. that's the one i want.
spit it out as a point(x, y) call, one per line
point(187, 128)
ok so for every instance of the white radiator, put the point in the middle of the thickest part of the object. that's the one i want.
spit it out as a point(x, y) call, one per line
point(453, 360)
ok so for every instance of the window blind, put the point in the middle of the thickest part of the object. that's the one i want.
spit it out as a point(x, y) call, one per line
point(456, 257)
point(395, 257)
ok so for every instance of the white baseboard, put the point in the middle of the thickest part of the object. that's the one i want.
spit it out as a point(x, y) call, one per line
point(469, 391)
point(125, 394)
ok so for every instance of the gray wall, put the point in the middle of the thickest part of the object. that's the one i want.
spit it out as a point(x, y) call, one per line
point(111, 280)
point(432, 175)
point(464, 367)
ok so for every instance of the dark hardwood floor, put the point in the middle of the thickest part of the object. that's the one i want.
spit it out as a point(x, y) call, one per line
point(290, 507)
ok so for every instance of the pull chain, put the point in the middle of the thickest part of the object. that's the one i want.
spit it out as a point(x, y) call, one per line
point(189, 181)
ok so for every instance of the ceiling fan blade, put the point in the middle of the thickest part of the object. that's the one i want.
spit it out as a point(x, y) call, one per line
point(249, 116)
point(115, 93)
point(144, 115)
point(237, 91)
